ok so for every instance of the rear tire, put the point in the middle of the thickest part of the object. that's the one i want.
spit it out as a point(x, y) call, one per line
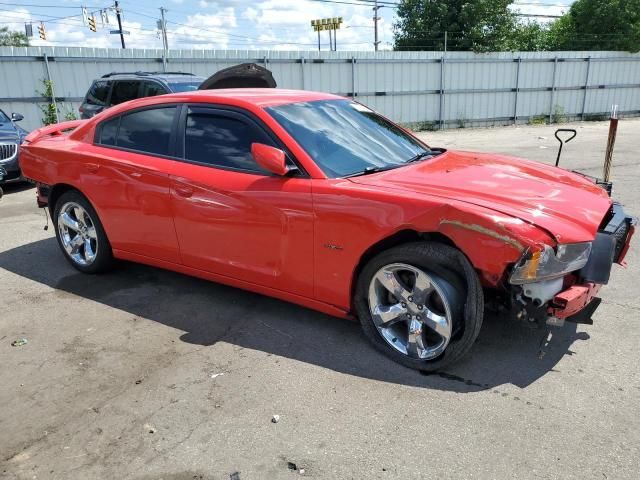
point(435, 313)
point(80, 234)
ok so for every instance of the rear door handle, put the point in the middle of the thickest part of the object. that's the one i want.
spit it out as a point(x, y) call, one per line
point(92, 167)
point(184, 191)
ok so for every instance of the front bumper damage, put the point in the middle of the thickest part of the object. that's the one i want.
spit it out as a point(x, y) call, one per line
point(576, 298)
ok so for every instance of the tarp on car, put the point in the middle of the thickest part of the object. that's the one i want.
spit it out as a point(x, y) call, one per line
point(246, 75)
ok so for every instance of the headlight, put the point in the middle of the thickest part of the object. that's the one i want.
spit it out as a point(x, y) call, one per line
point(547, 264)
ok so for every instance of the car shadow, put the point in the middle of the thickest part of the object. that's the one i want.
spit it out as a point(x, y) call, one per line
point(505, 352)
point(15, 187)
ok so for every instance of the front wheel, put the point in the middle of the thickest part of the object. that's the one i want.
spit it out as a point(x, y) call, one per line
point(80, 233)
point(421, 304)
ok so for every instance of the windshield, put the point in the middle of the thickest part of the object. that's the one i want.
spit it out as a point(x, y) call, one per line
point(4, 117)
point(184, 86)
point(346, 138)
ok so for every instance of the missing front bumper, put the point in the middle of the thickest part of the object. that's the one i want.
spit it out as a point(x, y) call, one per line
point(573, 300)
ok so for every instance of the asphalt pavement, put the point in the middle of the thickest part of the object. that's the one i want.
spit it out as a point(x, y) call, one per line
point(146, 374)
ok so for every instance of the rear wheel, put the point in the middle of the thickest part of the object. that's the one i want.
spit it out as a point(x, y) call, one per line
point(421, 304)
point(80, 234)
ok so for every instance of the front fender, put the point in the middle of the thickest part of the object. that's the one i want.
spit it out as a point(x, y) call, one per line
point(492, 241)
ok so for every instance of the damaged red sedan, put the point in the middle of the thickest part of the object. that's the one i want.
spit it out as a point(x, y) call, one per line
point(317, 200)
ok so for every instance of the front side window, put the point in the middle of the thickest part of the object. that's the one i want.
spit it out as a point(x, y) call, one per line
point(124, 90)
point(346, 138)
point(145, 131)
point(221, 140)
point(98, 93)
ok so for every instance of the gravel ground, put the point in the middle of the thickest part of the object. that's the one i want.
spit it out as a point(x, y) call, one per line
point(147, 374)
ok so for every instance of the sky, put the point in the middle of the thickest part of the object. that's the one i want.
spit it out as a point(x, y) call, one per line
point(220, 24)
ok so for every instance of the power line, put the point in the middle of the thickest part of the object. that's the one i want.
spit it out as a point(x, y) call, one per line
point(45, 6)
point(370, 3)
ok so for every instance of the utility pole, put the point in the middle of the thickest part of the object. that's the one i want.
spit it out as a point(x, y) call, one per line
point(165, 42)
point(119, 23)
point(375, 25)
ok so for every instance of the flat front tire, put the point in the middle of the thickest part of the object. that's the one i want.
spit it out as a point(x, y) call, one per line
point(421, 304)
point(80, 234)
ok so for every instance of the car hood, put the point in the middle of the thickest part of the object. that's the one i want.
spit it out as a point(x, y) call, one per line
point(8, 132)
point(567, 205)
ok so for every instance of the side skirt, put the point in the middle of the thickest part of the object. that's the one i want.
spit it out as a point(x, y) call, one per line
point(233, 282)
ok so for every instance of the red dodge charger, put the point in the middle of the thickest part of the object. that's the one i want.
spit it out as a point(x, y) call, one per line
point(318, 200)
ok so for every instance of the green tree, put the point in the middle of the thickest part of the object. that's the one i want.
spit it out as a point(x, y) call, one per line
point(479, 25)
point(598, 25)
point(528, 37)
point(48, 108)
point(12, 39)
point(560, 33)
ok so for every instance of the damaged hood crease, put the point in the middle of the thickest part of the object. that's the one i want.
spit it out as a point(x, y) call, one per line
point(568, 206)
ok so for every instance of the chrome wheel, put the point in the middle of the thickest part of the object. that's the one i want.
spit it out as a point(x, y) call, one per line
point(412, 310)
point(77, 233)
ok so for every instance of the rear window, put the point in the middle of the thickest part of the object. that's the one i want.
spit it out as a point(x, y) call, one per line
point(98, 93)
point(184, 86)
point(124, 90)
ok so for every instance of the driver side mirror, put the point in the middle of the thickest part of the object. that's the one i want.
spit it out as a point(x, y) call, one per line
point(16, 117)
point(270, 158)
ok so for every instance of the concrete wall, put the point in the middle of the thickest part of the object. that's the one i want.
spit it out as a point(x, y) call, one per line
point(428, 88)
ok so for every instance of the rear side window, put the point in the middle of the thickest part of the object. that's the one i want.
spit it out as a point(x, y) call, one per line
point(151, 89)
point(147, 130)
point(98, 93)
point(222, 141)
point(108, 131)
point(124, 90)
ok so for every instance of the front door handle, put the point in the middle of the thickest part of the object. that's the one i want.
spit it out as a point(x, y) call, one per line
point(92, 167)
point(184, 191)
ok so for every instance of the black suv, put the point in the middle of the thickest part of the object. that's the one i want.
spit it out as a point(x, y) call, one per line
point(114, 88)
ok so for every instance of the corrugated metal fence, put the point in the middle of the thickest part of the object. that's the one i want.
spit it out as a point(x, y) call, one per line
point(425, 88)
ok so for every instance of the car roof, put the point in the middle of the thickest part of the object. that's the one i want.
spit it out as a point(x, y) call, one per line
point(260, 97)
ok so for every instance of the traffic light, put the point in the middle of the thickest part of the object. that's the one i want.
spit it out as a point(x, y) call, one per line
point(92, 23)
point(42, 32)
